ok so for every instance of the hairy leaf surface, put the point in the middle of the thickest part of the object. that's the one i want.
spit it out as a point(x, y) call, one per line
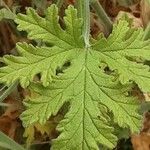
point(96, 83)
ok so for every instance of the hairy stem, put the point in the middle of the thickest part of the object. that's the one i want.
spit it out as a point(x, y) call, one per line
point(104, 19)
point(86, 20)
point(84, 13)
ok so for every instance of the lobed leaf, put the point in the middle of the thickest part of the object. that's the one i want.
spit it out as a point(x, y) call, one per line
point(96, 83)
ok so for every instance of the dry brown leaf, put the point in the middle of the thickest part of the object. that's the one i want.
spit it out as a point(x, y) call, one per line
point(137, 22)
point(141, 142)
point(9, 121)
point(145, 12)
point(112, 8)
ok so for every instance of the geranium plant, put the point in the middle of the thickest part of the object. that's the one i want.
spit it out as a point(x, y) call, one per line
point(94, 81)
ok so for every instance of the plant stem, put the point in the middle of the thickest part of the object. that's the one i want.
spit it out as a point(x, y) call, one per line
point(84, 13)
point(3, 88)
point(4, 4)
point(86, 19)
point(8, 91)
point(59, 3)
point(86, 22)
point(5, 105)
point(11, 21)
point(104, 19)
point(147, 32)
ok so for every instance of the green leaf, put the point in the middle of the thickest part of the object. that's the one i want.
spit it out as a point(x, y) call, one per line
point(96, 82)
point(122, 50)
point(47, 59)
point(48, 30)
point(6, 14)
point(8, 143)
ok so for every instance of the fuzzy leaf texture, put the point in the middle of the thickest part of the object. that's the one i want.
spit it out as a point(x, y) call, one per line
point(97, 96)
